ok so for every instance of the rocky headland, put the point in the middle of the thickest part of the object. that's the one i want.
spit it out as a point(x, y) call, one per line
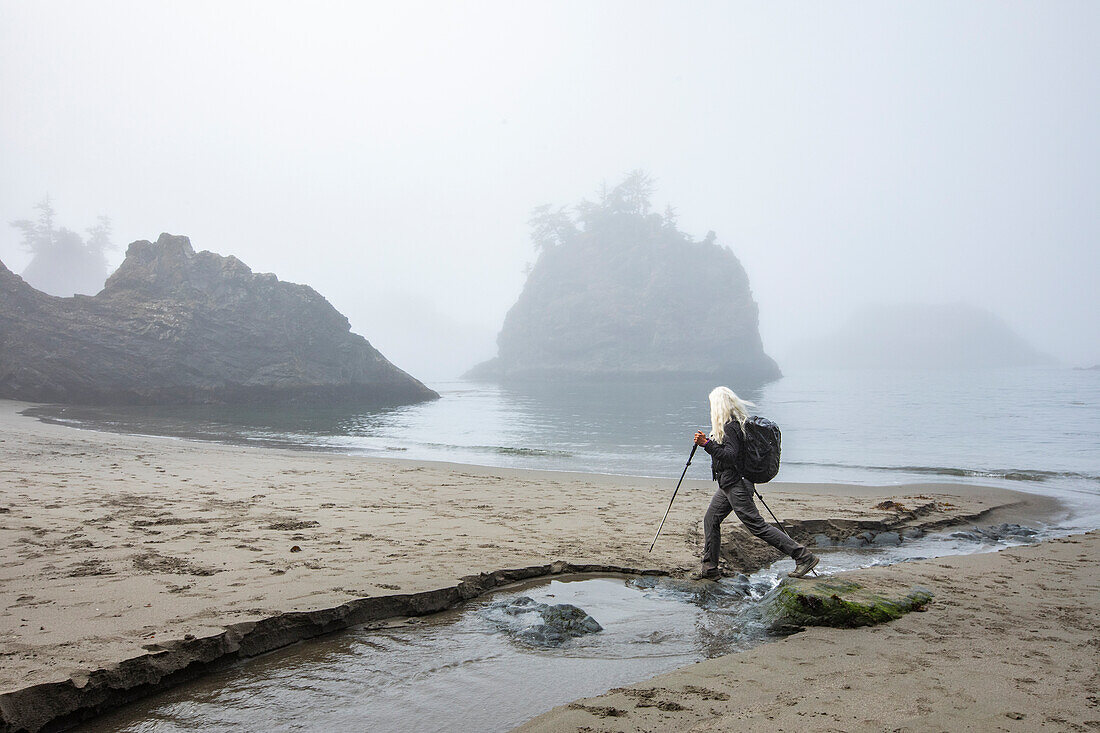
point(620, 292)
point(175, 326)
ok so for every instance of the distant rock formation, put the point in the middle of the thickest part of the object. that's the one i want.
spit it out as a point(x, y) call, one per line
point(619, 292)
point(920, 337)
point(174, 326)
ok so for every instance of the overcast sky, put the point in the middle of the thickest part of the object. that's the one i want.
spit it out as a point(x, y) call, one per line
point(388, 154)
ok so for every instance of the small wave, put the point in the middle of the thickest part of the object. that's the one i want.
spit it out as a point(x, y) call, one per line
point(511, 451)
point(505, 450)
point(1008, 474)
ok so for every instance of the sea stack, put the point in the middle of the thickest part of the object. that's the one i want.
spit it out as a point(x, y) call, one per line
point(619, 292)
point(921, 336)
point(175, 326)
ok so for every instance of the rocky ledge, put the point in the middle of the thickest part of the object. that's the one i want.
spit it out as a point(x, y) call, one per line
point(741, 552)
point(175, 326)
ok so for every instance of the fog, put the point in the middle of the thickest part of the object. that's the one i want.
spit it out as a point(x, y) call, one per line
point(389, 154)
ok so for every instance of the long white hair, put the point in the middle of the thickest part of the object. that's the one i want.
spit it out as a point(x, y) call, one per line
point(726, 406)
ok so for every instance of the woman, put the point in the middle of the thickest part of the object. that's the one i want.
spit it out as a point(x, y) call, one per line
point(728, 414)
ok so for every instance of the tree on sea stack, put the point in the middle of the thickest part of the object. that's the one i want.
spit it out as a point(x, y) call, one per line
point(550, 227)
point(64, 263)
point(618, 291)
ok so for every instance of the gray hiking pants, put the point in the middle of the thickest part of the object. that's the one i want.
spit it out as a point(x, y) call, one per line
point(738, 498)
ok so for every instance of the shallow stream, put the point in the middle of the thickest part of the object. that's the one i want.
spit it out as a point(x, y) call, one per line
point(470, 668)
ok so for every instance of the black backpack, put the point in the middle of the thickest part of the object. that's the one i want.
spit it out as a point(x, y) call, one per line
point(759, 457)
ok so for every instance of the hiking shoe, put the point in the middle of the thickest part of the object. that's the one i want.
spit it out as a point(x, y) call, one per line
point(803, 567)
point(711, 574)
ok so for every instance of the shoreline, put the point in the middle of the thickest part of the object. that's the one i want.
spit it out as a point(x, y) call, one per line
point(1012, 480)
point(127, 542)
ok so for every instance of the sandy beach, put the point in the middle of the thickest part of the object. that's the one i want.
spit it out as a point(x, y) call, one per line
point(1009, 643)
point(118, 544)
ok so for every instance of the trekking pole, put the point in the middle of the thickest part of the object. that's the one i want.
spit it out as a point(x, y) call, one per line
point(694, 446)
point(761, 498)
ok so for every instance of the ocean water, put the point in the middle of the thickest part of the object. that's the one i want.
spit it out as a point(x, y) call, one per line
point(1034, 430)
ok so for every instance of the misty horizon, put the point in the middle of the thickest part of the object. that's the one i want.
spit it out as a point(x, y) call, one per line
point(390, 158)
point(872, 326)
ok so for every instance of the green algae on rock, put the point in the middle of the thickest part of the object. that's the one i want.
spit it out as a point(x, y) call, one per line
point(796, 604)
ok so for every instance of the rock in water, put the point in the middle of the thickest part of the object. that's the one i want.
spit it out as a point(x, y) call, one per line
point(886, 539)
point(622, 293)
point(898, 336)
point(176, 326)
point(998, 533)
point(541, 624)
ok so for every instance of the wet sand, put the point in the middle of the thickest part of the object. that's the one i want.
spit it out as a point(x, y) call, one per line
point(1010, 642)
point(117, 543)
